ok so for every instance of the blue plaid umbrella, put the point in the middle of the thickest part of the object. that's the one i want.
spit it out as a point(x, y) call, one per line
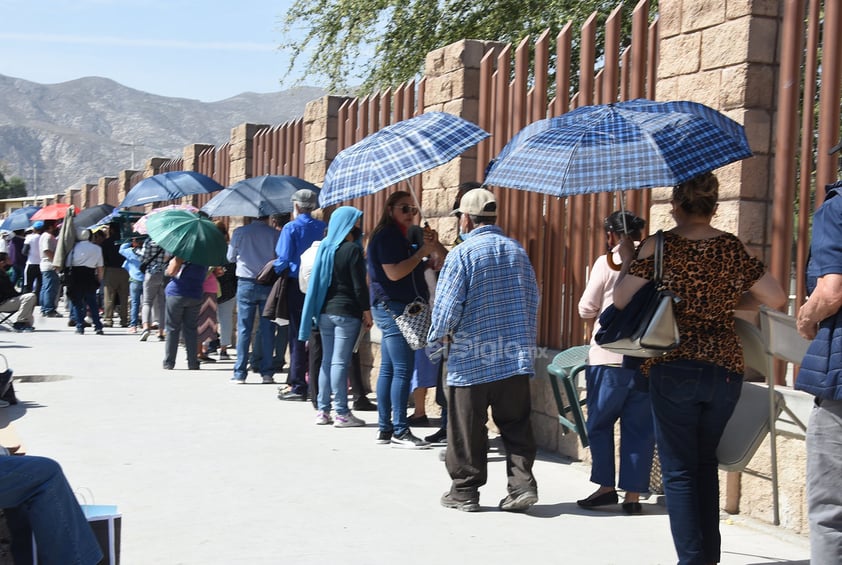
point(396, 153)
point(257, 197)
point(628, 145)
point(169, 186)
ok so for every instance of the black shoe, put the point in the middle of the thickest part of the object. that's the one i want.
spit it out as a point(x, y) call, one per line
point(440, 437)
point(193, 367)
point(99, 332)
point(408, 441)
point(470, 505)
point(632, 508)
point(206, 359)
point(292, 395)
point(53, 314)
point(383, 438)
point(363, 404)
point(168, 367)
point(594, 500)
point(416, 421)
point(519, 502)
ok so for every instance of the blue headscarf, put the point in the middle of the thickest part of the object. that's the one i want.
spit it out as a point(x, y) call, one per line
point(341, 223)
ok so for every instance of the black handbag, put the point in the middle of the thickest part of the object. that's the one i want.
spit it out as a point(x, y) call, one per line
point(646, 327)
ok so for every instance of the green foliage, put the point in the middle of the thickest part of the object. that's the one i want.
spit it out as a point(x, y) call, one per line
point(384, 42)
point(14, 187)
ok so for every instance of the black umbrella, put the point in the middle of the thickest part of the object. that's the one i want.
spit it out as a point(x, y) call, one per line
point(90, 216)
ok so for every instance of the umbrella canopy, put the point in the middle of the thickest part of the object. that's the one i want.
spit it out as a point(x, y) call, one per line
point(257, 197)
point(192, 237)
point(628, 145)
point(19, 219)
point(90, 216)
point(396, 153)
point(169, 186)
point(140, 224)
point(51, 212)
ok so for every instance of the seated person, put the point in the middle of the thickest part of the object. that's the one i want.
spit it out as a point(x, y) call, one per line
point(39, 502)
point(13, 301)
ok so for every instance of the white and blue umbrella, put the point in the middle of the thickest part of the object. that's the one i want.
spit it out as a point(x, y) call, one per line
point(257, 197)
point(169, 186)
point(396, 153)
point(610, 147)
point(19, 219)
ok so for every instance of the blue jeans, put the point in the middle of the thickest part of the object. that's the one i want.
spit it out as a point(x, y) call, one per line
point(135, 293)
point(182, 318)
point(49, 291)
point(81, 303)
point(251, 298)
point(692, 402)
point(339, 333)
point(279, 348)
point(612, 396)
point(397, 361)
point(38, 499)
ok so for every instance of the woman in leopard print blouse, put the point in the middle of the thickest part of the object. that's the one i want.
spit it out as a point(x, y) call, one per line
point(695, 387)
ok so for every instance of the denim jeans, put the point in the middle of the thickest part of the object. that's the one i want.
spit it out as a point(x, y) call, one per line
point(39, 501)
point(136, 294)
point(182, 318)
point(397, 361)
point(692, 402)
point(824, 481)
point(251, 297)
point(339, 333)
point(279, 348)
point(49, 291)
point(153, 299)
point(612, 397)
point(81, 303)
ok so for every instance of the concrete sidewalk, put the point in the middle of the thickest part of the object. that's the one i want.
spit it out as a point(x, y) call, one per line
point(206, 472)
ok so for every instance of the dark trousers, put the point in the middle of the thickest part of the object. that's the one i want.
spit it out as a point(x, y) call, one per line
point(467, 437)
point(297, 349)
point(32, 279)
point(314, 346)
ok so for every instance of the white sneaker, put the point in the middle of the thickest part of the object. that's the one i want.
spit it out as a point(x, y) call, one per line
point(347, 421)
point(323, 419)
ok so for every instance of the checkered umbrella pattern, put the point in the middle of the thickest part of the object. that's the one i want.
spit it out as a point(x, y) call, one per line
point(396, 153)
point(628, 145)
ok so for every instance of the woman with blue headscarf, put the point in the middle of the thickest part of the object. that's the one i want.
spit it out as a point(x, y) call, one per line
point(337, 301)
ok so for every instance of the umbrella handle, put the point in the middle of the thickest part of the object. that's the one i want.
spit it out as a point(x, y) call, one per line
point(417, 203)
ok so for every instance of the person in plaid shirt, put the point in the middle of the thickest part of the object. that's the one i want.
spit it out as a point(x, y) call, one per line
point(154, 259)
point(486, 307)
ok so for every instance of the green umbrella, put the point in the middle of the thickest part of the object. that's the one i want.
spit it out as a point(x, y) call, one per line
point(193, 238)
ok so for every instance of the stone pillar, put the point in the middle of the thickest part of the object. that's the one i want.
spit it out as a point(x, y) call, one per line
point(124, 179)
point(190, 160)
point(723, 55)
point(321, 134)
point(153, 166)
point(452, 86)
point(102, 190)
point(88, 199)
point(241, 152)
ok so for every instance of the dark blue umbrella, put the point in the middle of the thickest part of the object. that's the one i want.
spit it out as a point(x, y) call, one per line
point(396, 153)
point(257, 197)
point(169, 186)
point(19, 219)
point(628, 145)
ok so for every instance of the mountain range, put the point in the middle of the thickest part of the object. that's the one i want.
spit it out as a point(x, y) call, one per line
point(58, 136)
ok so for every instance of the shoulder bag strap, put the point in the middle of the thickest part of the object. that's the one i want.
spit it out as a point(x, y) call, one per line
point(659, 256)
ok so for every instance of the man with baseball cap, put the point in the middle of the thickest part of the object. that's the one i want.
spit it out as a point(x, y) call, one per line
point(296, 237)
point(486, 308)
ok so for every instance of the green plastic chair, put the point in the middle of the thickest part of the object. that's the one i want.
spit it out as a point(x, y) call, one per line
point(565, 369)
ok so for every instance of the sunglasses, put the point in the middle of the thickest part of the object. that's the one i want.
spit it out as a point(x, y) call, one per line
point(407, 209)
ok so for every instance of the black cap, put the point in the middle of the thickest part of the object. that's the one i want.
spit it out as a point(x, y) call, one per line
point(614, 223)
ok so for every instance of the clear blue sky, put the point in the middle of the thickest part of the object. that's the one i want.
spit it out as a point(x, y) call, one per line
point(202, 49)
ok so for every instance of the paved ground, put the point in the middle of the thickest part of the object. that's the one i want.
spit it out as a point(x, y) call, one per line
point(210, 473)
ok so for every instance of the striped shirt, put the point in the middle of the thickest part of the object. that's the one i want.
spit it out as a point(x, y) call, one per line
point(487, 302)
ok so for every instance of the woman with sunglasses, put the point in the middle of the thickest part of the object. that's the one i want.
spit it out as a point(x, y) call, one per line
point(396, 271)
